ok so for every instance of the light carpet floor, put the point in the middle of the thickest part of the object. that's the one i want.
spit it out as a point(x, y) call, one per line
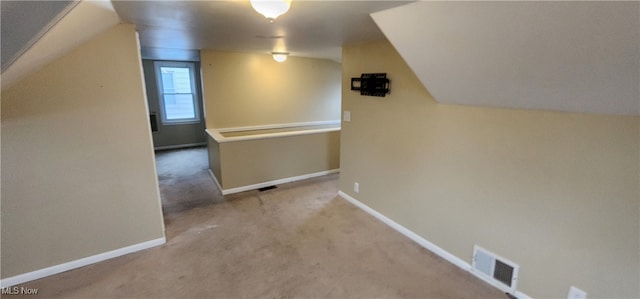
point(297, 241)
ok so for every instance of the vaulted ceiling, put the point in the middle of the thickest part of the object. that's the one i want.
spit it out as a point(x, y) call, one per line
point(563, 56)
point(24, 20)
point(167, 28)
point(76, 23)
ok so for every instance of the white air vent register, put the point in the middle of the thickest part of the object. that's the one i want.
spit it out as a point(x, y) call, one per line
point(495, 270)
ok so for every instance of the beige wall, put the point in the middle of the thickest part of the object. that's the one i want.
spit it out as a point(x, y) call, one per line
point(252, 162)
point(245, 89)
point(557, 193)
point(77, 160)
point(213, 148)
point(249, 89)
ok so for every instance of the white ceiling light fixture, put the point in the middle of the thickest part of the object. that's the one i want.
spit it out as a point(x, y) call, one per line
point(280, 56)
point(271, 9)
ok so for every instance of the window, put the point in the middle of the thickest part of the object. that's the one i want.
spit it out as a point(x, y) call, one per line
point(177, 92)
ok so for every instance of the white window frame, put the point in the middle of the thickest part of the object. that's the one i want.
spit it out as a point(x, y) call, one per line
point(192, 75)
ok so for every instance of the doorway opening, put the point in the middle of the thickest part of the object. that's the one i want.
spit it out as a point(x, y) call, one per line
point(174, 98)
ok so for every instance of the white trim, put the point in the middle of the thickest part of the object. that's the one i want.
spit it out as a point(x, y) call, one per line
point(168, 147)
point(521, 295)
point(215, 180)
point(275, 182)
point(421, 241)
point(22, 278)
point(215, 134)
point(490, 280)
point(409, 234)
point(157, 66)
point(279, 126)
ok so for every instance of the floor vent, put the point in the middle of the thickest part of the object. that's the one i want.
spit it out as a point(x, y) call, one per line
point(496, 270)
point(267, 188)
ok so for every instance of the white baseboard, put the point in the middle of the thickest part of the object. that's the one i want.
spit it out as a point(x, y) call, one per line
point(271, 183)
point(22, 278)
point(169, 147)
point(420, 240)
point(409, 234)
point(215, 180)
point(521, 295)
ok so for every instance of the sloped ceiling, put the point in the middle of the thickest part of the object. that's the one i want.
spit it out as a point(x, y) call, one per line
point(23, 22)
point(36, 32)
point(564, 56)
point(84, 21)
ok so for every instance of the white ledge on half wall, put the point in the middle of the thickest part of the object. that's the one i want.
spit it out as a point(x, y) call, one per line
point(296, 129)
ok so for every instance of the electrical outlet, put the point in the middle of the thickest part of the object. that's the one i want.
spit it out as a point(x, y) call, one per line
point(575, 293)
point(356, 187)
point(346, 116)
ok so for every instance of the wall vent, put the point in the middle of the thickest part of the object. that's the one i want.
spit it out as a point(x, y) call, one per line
point(153, 119)
point(495, 270)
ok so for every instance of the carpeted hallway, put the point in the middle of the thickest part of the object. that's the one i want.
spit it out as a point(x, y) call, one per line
point(297, 241)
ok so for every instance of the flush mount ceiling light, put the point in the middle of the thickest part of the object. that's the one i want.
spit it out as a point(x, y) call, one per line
point(271, 9)
point(280, 56)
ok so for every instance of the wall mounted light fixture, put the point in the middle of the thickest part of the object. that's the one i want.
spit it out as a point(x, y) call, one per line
point(271, 9)
point(280, 56)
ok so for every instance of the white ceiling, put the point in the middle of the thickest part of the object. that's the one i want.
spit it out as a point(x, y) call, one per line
point(563, 56)
point(310, 28)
